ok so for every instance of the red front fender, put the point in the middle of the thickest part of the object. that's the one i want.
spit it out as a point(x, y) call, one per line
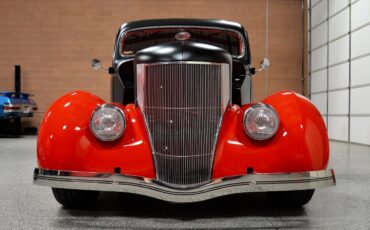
point(300, 144)
point(65, 141)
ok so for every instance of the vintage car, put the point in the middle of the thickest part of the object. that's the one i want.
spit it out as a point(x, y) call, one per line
point(15, 105)
point(182, 126)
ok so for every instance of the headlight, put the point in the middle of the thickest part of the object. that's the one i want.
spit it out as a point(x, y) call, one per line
point(108, 122)
point(260, 122)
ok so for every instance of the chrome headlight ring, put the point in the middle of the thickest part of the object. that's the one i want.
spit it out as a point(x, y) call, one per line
point(260, 121)
point(107, 122)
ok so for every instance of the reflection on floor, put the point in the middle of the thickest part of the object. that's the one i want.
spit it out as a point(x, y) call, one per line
point(25, 206)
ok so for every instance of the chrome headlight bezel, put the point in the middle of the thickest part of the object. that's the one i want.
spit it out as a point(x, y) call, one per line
point(261, 137)
point(119, 113)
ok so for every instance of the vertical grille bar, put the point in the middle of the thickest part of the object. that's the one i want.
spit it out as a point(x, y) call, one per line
point(183, 106)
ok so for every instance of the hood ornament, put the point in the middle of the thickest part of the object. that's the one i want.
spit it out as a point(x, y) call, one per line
point(182, 36)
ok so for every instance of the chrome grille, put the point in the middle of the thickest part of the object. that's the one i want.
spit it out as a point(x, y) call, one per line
point(183, 105)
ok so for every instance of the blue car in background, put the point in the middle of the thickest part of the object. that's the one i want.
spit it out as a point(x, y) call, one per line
point(15, 105)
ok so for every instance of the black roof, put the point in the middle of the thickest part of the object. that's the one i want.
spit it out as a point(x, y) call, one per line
point(215, 23)
point(183, 22)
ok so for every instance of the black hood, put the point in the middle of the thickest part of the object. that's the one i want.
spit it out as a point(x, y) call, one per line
point(183, 51)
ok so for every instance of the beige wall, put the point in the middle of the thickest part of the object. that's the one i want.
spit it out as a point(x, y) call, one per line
point(54, 41)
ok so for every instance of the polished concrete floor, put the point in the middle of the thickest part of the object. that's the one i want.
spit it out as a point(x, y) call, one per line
point(25, 206)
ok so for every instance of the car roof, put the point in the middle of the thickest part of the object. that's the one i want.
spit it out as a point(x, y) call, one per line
point(183, 22)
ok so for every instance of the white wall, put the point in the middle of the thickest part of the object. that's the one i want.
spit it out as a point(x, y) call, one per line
point(339, 78)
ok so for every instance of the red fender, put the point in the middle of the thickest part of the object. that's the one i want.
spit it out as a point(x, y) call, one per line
point(65, 141)
point(300, 144)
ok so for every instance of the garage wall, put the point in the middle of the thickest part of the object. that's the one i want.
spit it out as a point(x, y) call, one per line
point(54, 41)
point(340, 60)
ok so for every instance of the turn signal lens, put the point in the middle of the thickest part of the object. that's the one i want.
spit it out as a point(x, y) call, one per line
point(261, 122)
point(108, 122)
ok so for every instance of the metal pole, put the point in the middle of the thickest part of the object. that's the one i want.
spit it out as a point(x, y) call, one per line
point(349, 72)
point(17, 89)
point(17, 78)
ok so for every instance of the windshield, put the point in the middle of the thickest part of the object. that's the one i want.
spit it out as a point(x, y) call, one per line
point(134, 41)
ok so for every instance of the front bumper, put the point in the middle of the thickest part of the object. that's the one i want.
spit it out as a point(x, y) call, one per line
point(215, 188)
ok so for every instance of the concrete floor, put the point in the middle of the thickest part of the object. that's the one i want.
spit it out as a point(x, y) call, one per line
point(25, 206)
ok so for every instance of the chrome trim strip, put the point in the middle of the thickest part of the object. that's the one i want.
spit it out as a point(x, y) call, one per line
point(123, 34)
point(215, 188)
point(120, 61)
point(12, 110)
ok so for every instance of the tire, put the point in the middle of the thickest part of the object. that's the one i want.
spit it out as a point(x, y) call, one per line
point(71, 198)
point(290, 199)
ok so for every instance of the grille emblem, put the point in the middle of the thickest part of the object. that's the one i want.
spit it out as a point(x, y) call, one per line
point(182, 36)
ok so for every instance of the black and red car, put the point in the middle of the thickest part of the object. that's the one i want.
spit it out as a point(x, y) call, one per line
point(182, 126)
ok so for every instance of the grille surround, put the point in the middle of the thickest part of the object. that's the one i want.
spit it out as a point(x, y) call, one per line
point(189, 165)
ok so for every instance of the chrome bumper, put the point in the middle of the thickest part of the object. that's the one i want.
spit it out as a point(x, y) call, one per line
point(154, 188)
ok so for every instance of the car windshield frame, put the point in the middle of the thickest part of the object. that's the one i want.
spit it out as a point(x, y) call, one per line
point(232, 32)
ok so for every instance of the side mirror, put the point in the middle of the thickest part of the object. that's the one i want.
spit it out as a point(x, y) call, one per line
point(97, 64)
point(264, 64)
